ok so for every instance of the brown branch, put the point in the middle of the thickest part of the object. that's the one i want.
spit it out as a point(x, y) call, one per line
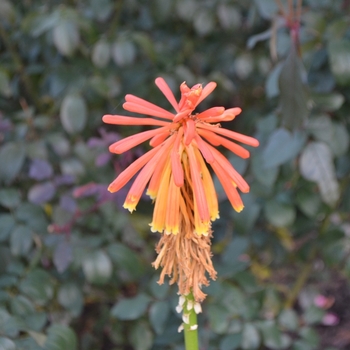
point(280, 7)
point(298, 10)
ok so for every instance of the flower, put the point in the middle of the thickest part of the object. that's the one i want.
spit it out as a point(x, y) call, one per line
point(178, 178)
point(180, 144)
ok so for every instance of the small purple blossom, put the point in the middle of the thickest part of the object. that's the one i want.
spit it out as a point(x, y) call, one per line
point(330, 319)
point(41, 193)
point(40, 170)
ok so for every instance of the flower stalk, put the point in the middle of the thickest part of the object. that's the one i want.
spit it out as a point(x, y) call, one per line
point(191, 327)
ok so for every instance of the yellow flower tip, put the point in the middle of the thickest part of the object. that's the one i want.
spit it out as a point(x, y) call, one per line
point(129, 206)
point(130, 203)
point(156, 228)
point(151, 194)
point(202, 229)
point(172, 230)
point(214, 216)
point(239, 209)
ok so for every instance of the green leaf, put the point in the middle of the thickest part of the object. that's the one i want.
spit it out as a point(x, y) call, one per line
point(321, 127)
point(13, 155)
point(231, 342)
point(288, 319)
point(7, 344)
point(146, 43)
point(203, 21)
point(101, 54)
point(7, 223)
point(73, 113)
point(313, 315)
point(66, 37)
point(293, 95)
point(271, 84)
point(219, 318)
point(250, 337)
point(127, 261)
point(39, 338)
point(279, 214)
point(33, 216)
point(71, 297)
point(267, 8)
point(10, 325)
point(282, 146)
point(340, 140)
point(302, 345)
point(234, 301)
point(310, 335)
point(21, 240)
point(36, 321)
point(60, 338)
point(21, 305)
point(130, 309)
point(316, 164)
point(246, 219)
point(5, 88)
point(10, 197)
point(98, 267)
point(38, 286)
point(339, 54)
point(123, 52)
point(265, 175)
point(158, 315)
point(272, 336)
point(157, 290)
point(309, 202)
point(141, 336)
point(236, 247)
point(328, 102)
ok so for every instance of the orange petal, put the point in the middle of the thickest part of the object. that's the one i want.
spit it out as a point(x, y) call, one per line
point(138, 186)
point(209, 187)
point(154, 184)
point(203, 146)
point(183, 114)
point(211, 112)
point(228, 186)
point(134, 107)
point(176, 154)
point(207, 90)
point(158, 139)
point(160, 208)
point(251, 141)
point(125, 176)
point(230, 170)
point(124, 120)
point(198, 188)
point(172, 218)
point(164, 88)
point(228, 115)
point(134, 140)
point(189, 131)
point(149, 105)
point(217, 140)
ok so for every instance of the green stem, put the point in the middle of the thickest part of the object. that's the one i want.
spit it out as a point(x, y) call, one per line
point(191, 328)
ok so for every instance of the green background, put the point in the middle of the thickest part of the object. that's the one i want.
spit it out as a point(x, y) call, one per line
point(75, 268)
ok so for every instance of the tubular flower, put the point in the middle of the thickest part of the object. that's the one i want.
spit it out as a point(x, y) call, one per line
point(178, 179)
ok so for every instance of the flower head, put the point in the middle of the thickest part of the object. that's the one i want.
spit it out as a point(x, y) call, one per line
point(182, 144)
point(178, 179)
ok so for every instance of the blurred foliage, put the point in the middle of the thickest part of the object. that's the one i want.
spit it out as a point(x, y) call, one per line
point(75, 268)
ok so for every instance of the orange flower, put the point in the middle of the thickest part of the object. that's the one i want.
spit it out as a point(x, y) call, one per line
point(174, 169)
